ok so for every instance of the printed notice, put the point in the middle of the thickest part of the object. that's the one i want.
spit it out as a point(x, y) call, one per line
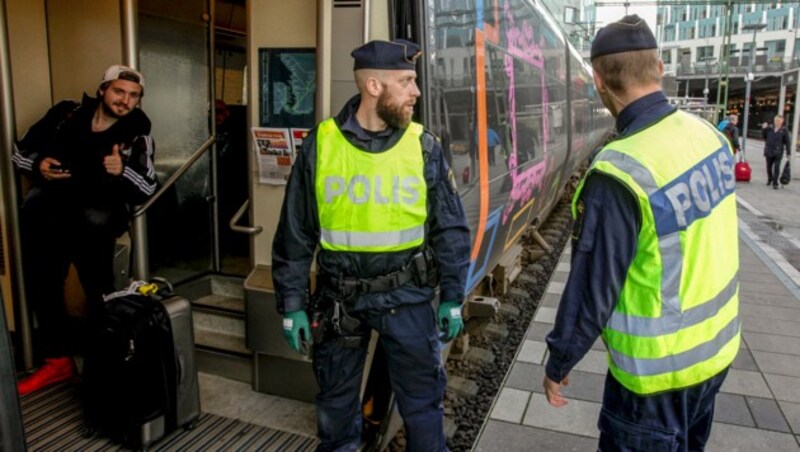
point(275, 154)
point(297, 139)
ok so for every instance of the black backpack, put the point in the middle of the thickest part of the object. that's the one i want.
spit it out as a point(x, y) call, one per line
point(129, 380)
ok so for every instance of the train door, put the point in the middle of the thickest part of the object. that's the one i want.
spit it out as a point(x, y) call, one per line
point(174, 54)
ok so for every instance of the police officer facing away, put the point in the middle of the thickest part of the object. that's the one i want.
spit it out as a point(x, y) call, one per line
point(654, 259)
point(372, 189)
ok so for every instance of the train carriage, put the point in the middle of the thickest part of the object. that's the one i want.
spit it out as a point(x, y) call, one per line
point(512, 100)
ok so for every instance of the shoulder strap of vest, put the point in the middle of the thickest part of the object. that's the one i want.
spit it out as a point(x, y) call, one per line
point(428, 144)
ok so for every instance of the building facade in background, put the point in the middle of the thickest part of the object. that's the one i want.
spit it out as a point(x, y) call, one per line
point(691, 39)
point(693, 35)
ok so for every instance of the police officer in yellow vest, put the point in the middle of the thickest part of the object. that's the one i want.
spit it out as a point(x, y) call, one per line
point(372, 189)
point(655, 261)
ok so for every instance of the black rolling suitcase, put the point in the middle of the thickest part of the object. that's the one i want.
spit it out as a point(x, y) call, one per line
point(140, 378)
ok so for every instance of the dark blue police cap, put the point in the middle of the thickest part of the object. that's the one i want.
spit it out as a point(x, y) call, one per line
point(397, 54)
point(628, 34)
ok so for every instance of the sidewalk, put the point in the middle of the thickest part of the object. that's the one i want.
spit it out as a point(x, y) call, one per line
point(759, 405)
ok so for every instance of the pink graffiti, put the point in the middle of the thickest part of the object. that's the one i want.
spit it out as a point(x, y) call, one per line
point(521, 45)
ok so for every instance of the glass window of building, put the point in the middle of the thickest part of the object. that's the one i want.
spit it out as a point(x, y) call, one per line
point(666, 56)
point(705, 52)
point(669, 33)
point(775, 48)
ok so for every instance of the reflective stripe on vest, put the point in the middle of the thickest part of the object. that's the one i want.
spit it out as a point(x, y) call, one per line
point(370, 201)
point(676, 323)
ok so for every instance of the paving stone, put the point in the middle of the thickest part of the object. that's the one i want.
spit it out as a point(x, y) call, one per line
point(744, 361)
point(577, 417)
point(510, 405)
point(745, 382)
point(785, 388)
point(527, 279)
point(563, 267)
point(479, 355)
point(768, 288)
point(505, 437)
point(732, 409)
point(532, 352)
point(496, 330)
point(770, 326)
point(755, 298)
point(594, 361)
point(583, 386)
point(792, 413)
point(538, 331)
point(767, 414)
point(508, 310)
point(545, 315)
point(556, 288)
point(773, 343)
point(462, 386)
point(771, 312)
point(734, 438)
point(559, 277)
point(778, 363)
point(526, 377)
point(550, 300)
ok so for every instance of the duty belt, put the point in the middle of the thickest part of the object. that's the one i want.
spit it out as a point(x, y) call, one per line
point(419, 270)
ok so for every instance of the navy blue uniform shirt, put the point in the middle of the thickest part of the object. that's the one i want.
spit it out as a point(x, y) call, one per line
point(297, 236)
point(604, 240)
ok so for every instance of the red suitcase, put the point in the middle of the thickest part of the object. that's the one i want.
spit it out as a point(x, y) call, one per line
point(743, 172)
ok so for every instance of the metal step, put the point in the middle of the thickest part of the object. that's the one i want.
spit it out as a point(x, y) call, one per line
point(219, 327)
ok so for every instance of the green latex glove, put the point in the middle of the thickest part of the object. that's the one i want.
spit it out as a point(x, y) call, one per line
point(449, 319)
point(296, 329)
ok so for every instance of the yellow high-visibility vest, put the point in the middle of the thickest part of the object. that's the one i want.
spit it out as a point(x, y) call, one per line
point(676, 323)
point(370, 201)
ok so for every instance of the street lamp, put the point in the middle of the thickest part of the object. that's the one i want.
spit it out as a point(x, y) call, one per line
point(749, 79)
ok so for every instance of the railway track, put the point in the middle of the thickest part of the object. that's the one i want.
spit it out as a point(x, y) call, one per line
point(476, 374)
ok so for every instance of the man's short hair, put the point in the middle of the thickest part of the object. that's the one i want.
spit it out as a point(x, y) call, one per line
point(779, 116)
point(732, 117)
point(622, 70)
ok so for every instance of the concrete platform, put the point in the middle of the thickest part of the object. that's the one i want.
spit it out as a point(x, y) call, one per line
point(759, 405)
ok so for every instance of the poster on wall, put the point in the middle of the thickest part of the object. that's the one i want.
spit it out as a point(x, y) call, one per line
point(274, 153)
point(297, 139)
point(287, 87)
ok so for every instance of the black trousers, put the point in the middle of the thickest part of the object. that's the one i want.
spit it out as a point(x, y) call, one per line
point(53, 237)
point(671, 421)
point(774, 169)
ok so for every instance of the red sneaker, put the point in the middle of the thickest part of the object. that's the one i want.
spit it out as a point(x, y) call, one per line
point(54, 370)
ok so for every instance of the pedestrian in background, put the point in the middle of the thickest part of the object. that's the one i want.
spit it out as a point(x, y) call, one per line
point(655, 259)
point(776, 142)
point(731, 131)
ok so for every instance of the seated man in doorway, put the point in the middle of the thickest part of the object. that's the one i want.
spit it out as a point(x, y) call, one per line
point(88, 163)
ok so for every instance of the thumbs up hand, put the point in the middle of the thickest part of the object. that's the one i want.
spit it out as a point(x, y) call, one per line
point(113, 162)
